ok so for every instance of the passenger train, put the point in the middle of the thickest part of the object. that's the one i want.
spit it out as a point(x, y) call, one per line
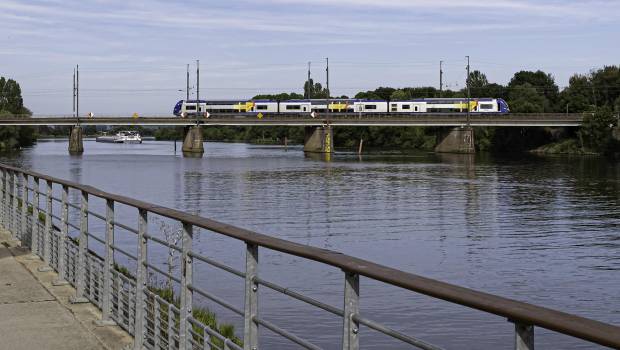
point(185, 108)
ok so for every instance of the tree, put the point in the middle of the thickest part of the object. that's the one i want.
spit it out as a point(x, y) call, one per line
point(577, 96)
point(596, 131)
point(12, 105)
point(477, 80)
point(526, 99)
point(606, 85)
point(399, 95)
point(543, 83)
point(314, 90)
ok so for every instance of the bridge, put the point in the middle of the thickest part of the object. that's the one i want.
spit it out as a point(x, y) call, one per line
point(92, 259)
point(318, 133)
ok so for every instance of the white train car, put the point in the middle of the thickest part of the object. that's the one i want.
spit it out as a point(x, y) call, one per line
point(296, 106)
point(264, 106)
point(370, 106)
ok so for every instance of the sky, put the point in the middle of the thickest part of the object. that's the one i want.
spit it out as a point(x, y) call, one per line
point(133, 54)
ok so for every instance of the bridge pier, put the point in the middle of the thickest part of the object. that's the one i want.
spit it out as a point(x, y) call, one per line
point(457, 140)
point(319, 139)
point(193, 142)
point(76, 145)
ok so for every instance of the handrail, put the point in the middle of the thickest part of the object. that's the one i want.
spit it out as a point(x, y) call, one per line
point(516, 311)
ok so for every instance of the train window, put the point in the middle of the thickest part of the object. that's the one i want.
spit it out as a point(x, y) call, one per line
point(190, 107)
point(486, 106)
point(370, 106)
point(415, 108)
point(406, 107)
point(261, 107)
point(394, 105)
point(293, 107)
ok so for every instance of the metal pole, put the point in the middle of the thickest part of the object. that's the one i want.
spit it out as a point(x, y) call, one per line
point(141, 280)
point(186, 293)
point(524, 337)
point(62, 241)
point(80, 278)
point(327, 71)
point(34, 245)
point(327, 75)
point(350, 338)
point(2, 198)
point(24, 213)
point(197, 88)
point(47, 234)
point(15, 207)
point(77, 92)
point(74, 115)
point(187, 85)
point(250, 329)
point(440, 78)
point(108, 265)
point(309, 87)
point(468, 95)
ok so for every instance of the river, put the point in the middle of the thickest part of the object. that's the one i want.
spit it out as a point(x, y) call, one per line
point(541, 230)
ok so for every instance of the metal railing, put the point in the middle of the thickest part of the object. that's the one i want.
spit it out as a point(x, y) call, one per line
point(159, 323)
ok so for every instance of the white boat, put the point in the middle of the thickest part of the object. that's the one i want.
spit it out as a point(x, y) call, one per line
point(121, 137)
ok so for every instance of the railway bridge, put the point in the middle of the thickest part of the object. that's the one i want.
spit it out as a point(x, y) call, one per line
point(457, 138)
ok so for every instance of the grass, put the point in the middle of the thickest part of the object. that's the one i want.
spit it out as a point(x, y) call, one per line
point(202, 314)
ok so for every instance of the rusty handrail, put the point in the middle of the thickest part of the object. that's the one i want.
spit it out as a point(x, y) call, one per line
point(516, 311)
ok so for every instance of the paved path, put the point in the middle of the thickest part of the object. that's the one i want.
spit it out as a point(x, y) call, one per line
point(36, 315)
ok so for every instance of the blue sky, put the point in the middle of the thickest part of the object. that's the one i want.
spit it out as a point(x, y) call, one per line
point(133, 54)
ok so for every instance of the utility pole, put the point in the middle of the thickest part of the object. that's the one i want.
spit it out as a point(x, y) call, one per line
point(327, 73)
point(440, 78)
point(77, 91)
point(187, 86)
point(308, 85)
point(468, 96)
point(197, 88)
point(327, 76)
point(73, 93)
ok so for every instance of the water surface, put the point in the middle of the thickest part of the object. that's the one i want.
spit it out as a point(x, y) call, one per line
point(542, 230)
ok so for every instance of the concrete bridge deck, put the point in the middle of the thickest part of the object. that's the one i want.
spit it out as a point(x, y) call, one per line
point(36, 315)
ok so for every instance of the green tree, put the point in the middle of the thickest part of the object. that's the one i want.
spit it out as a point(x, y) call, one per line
point(606, 85)
point(543, 83)
point(399, 95)
point(12, 105)
point(477, 80)
point(577, 96)
point(314, 90)
point(526, 99)
point(596, 131)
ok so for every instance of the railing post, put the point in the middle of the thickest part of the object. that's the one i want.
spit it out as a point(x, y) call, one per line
point(350, 337)
point(524, 337)
point(15, 207)
point(34, 244)
point(24, 213)
point(250, 328)
point(140, 280)
point(186, 293)
point(108, 266)
point(3, 198)
point(47, 235)
point(80, 278)
point(62, 239)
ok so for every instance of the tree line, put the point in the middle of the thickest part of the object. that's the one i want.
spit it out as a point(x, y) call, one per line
point(12, 106)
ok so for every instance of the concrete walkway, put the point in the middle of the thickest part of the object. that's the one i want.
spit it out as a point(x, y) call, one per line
point(36, 315)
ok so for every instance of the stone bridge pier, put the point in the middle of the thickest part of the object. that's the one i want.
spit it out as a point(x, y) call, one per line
point(193, 142)
point(456, 140)
point(76, 145)
point(319, 139)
